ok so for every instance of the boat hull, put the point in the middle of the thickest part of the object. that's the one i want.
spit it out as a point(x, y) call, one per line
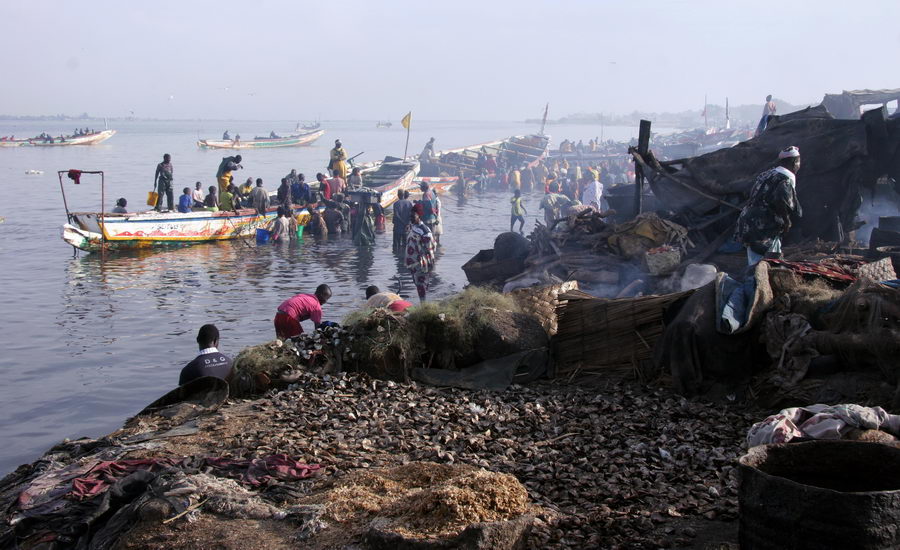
point(152, 229)
point(92, 139)
point(295, 140)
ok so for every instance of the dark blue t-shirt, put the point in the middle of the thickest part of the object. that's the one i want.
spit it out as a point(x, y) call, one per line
point(208, 364)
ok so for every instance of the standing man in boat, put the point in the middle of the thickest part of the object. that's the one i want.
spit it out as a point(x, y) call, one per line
point(162, 180)
point(338, 160)
point(226, 167)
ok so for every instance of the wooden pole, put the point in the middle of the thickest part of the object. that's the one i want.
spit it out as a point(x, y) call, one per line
point(643, 148)
point(406, 149)
point(544, 120)
point(102, 219)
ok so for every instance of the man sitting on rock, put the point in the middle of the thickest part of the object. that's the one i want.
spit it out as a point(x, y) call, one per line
point(210, 362)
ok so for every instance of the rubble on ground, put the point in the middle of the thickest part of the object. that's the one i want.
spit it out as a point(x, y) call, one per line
point(622, 465)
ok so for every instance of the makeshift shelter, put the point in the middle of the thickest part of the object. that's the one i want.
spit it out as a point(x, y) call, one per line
point(839, 158)
point(848, 104)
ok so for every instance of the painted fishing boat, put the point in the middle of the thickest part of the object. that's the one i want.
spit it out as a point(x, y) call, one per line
point(89, 139)
point(92, 231)
point(6, 142)
point(515, 150)
point(388, 176)
point(292, 140)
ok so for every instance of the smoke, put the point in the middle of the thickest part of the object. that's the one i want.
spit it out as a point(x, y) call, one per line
point(884, 202)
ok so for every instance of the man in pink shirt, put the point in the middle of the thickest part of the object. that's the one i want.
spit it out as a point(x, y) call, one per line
point(300, 308)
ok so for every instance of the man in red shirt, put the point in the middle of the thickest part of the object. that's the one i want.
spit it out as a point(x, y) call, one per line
point(300, 308)
point(324, 186)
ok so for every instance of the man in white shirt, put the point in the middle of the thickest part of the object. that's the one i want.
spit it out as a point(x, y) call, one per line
point(197, 195)
point(593, 194)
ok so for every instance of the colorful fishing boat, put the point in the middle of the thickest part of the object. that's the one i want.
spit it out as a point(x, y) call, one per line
point(292, 140)
point(92, 231)
point(86, 139)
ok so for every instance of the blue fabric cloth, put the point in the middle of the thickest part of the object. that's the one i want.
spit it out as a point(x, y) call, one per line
point(736, 307)
point(184, 204)
point(300, 193)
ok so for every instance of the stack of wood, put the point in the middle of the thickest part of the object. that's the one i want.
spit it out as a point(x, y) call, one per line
point(542, 301)
point(587, 229)
point(612, 337)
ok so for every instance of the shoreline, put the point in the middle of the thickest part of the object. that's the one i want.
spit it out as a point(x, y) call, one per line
point(625, 462)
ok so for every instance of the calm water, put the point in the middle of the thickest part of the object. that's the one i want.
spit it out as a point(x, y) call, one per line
point(87, 343)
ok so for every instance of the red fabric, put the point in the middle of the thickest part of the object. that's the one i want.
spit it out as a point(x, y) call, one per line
point(286, 326)
point(326, 189)
point(399, 306)
point(75, 175)
point(254, 472)
point(833, 272)
point(261, 471)
point(419, 209)
point(104, 474)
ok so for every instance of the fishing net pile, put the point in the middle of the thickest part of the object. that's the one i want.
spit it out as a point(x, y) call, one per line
point(465, 329)
point(473, 326)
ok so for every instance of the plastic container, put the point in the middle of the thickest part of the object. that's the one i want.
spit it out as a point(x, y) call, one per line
point(262, 236)
point(300, 231)
point(152, 197)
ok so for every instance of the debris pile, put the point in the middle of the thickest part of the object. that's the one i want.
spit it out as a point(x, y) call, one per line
point(603, 257)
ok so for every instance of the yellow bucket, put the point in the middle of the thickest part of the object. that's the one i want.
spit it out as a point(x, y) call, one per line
point(152, 197)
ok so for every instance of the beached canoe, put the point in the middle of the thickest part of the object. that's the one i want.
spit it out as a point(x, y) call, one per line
point(86, 231)
point(293, 140)
point(90, 139)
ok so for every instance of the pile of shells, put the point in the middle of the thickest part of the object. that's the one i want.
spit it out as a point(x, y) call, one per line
point(624, 465)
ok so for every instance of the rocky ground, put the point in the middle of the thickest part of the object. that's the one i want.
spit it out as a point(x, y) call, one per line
point(610, 466)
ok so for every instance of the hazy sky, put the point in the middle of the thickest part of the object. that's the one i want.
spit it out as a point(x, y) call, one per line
point(491, 60)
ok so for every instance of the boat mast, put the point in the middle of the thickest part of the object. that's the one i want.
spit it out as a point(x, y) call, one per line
point(727, 117)
point(544, 120)
point(705, 112)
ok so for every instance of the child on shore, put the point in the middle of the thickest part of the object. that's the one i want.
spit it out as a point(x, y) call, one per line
point(517, 212)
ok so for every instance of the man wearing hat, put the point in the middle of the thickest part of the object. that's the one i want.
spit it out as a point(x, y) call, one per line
point(338, 162)
point(772, 203)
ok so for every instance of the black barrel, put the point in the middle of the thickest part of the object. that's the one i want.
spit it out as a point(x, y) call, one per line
point(889, 223)
point(820, 494)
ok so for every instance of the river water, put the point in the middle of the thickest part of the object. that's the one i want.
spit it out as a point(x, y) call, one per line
point(87, 342)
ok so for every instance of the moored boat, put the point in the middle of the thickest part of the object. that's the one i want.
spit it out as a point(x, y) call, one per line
point(92, 231)
point(516, 150)
point(87, 139)
point(292, 140)
point(388, 176)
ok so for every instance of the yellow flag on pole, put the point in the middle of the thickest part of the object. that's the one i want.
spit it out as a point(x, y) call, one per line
point(406, 119)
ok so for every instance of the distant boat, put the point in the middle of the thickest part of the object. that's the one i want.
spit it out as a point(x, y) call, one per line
point(309, 127)
point(383, 124)
point(88, 139)
point(293, 140)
